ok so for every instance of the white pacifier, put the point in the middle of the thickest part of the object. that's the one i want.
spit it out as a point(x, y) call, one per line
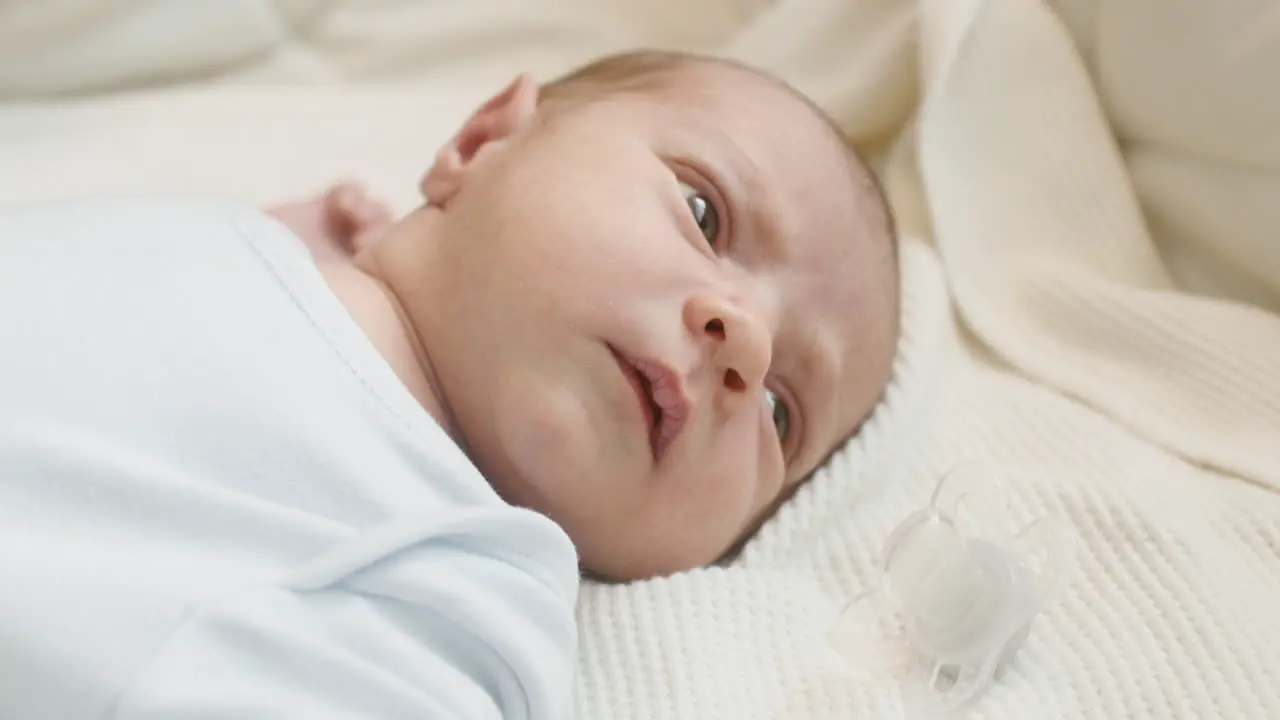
point(964, 590)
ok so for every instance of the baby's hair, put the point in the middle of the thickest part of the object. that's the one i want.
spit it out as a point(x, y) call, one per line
point(644, 71)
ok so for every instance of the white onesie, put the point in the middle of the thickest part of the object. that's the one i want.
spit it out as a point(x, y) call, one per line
point(217, 500)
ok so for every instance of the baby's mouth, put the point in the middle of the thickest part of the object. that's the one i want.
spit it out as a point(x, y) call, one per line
point(662, 400)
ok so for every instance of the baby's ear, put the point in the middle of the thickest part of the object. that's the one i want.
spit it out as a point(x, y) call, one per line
point(497, 119)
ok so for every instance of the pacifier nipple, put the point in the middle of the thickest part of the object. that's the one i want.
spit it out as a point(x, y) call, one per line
point(946, 594)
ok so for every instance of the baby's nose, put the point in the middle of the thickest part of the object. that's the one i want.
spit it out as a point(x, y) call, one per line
point(738, 341)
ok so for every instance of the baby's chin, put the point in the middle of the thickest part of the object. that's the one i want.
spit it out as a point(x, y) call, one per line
point(548, 453)
point(634, 547)
point(632, 567)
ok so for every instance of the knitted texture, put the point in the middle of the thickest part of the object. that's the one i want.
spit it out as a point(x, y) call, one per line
point(1045, 337)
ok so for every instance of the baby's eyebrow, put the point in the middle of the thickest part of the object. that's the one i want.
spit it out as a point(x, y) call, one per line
point(750, 202)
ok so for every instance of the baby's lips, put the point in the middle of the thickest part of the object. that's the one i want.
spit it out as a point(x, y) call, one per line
point(668, 394)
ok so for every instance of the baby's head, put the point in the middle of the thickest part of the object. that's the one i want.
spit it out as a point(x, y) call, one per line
point(655, 295)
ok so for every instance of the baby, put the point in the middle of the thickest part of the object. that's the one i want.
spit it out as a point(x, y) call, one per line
point(641, 304)
point(677, 295)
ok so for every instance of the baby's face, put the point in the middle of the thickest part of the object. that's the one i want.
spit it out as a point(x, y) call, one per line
point(671, 310)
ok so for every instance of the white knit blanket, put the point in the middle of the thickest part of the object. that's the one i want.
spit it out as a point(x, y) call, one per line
point(1091, 190)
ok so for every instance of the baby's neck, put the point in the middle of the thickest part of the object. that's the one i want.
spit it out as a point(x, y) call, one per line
point(378, 312)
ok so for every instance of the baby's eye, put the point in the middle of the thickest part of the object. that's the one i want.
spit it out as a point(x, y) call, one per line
point(704, 213)
point(781, 415)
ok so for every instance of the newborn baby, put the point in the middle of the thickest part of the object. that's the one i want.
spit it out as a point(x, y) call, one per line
point(638, 306)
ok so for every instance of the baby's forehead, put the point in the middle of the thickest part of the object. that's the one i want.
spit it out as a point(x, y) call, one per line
point(786, 145)
point(739, 92)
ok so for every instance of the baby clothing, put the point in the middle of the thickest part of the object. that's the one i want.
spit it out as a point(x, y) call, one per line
point(218, 501)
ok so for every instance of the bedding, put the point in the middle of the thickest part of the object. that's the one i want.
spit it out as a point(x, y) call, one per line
point(1088, 192)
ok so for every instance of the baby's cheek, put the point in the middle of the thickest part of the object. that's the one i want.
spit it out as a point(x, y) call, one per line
point(746, 471)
